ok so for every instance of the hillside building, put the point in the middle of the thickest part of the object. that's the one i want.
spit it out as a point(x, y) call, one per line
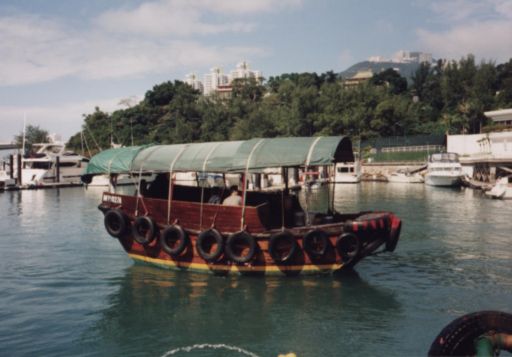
point(193, 80)
point(218, 82)
point(358, 78)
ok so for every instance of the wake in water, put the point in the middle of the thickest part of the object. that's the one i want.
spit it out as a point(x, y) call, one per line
point(206, 346)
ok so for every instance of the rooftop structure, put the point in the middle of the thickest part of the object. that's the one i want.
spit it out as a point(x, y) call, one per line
point(358, 78)
point(502, 116)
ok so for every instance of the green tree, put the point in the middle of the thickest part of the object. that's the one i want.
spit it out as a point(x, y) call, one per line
point(33, 134)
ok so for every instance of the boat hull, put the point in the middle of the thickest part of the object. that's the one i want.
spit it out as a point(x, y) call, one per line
point(372, 232)
point(442, 181)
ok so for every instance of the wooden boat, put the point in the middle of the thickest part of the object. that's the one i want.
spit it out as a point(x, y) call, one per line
point(175, 226)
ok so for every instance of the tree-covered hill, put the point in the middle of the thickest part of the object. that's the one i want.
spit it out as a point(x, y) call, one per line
point(449, 97)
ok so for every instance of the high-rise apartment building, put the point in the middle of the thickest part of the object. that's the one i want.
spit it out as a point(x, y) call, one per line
point(217, 79)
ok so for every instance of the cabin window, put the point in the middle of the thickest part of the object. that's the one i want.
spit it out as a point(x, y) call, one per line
point(45, 165)
point(343, 170)
point(67, 164)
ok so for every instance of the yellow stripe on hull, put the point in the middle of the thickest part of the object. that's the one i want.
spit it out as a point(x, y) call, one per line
point(237, 269)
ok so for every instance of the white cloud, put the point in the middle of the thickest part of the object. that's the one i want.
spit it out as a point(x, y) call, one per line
point(185, 18)
point(36, 50)
point(63, 119)
point(482, 28)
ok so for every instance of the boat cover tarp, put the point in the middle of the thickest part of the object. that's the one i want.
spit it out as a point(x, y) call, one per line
point(113, 161)
point(231, 156)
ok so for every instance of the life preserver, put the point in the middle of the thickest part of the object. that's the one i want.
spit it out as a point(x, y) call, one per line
point(394, 234)
point(241, 247)
point(316, 243)
point(349, 247)
point(208, 239)
point(282, 247)
point(143, 230)
point(458, 338)
point(115, 222)
point(174, 240)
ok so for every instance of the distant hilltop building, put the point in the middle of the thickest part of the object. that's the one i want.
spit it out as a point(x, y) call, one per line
point(358, 78)
point(404, 57)
point(218, 82)
point(192, 80)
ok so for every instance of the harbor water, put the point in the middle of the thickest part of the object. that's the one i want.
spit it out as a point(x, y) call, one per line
point(68, 289)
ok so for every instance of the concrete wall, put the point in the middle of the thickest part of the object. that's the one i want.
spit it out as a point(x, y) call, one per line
point(496, 145)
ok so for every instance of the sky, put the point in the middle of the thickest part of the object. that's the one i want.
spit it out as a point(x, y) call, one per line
point(60, 59)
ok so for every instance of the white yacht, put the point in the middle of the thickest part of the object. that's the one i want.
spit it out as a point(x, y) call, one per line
point(502, 189)
point(347, 172)
point(50, 163)
point(444, 169)
point(403, 176)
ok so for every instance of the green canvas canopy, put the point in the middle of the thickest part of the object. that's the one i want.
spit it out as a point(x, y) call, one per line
point(113, 161)
point(226, 156)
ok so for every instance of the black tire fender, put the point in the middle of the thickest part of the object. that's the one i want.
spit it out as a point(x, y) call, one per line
point(316, 243)
point(116, 222)
point(174, 240)
point(245, 240)
point(206, 240)
point(458, 337)
point(144, 230)
point(349, 248)
point(276, 251)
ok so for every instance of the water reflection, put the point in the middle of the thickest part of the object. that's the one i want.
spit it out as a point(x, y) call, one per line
point(265, 316)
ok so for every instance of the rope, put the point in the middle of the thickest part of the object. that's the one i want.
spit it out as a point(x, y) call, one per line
point(242, 223)
point(169, 196)
point(202, 188)
point(308, 160)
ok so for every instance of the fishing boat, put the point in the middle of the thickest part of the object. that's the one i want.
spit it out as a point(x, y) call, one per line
point(261, 232)
point(444, 169)
point(51, 163)
point(502, 189)
point(403, 176)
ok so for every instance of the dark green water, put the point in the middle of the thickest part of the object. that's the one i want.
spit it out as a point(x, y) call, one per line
point(67, 289)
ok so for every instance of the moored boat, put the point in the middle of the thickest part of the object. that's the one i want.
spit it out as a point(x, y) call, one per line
point(347, 172)
point(402, 176)
point(444, 169)
point(261, 232)
point(502, 189)
point(51, 163)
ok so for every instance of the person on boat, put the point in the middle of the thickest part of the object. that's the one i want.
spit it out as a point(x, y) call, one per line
point(159, 188)
point(216, 197)
point(234, 198)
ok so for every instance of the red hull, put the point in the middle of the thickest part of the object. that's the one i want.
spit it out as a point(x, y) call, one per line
point(371, 232)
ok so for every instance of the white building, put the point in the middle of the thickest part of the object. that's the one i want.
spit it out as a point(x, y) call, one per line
point(193, 80)
point(214, 79)
point(484, 152)
point(412, 57)
point(502, 116)
point(242, 70)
